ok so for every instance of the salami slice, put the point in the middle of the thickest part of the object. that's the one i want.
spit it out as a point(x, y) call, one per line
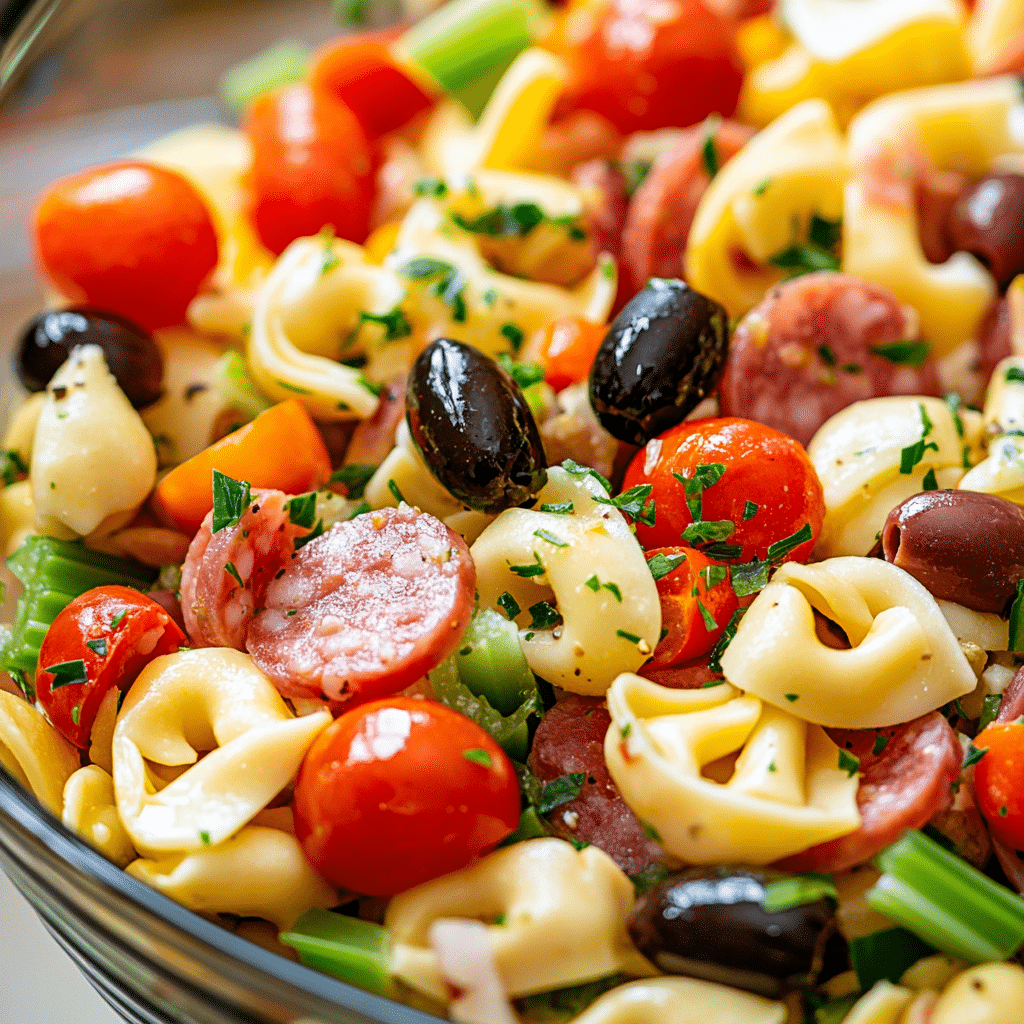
point(225, 573)
point(571, 739)
point(810, 349)
point(365, 609)
point(902, 786)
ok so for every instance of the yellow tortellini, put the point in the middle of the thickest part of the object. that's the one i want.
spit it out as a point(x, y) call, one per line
point(717, 776)
point(91, 810)
point(681, 1001)
point(1002, 472)
point(212, 699)
point(585, 557)
point(34, 752)
point(874, 454)
point(963, 127)
point(761, 203)
point(850, 51)
point(260, 872)
point(904, 660)
point(563, 918)
point(93, 462)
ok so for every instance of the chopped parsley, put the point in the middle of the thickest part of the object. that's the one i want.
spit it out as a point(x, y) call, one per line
point(118, 618)
point(395, 492)
point(989, 709)
point(787, 893)
point(302, 510)
point(712, 575)
point(762, 187)
point(558, 508)
point(661, 565)
point(229, 568)
point(631, 637)
point(708, 156)
point(98, 646)
point(1015, 375)
point(1016, 626)
point(513, 335)
point(750, 509)
point(929, 483)
point(817, 253)
point(448, 284)
point(67, 673)
point(509, 605)
point(633, 503)
point(544, 616)
point(560, 791)
point(574, 468)
point(395, 323)
point(973, 754)
point(204, 837)
point(903, 353)
point(524, 374)
point(881, 742)
point(354, 476)
point(714, 656)
point(478, 756)
point(430, 187)
point(230, 500)
point(536, 568)
point(847, 761)
point(301, 542)
point(704, 476)
point(709, 620)
point(706, 532)
point(550, 538)
point(12, 467)
point(913, 454)
point(792, 697)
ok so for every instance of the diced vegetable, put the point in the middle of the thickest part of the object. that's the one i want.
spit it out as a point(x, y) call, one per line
point(947, 902)
point(283, 63)
point(492, 664)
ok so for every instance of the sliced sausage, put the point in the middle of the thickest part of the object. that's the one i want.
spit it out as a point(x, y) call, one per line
point(805, 353)
point(1012, 705)
point(691, 675)
point(571, 739)
point(901, 787)
point(605, 205)
point(225, 573)
point(662, 209)
point(365, 609)
point(374, 437)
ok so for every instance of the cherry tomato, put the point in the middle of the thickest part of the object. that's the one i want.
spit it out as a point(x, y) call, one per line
point(646, 65)
point(399, 791)
point(102, 639)
point(358, 70)
point(566, 349)
point(999, 781)
point(312, 167)
point(694, 614)
point(128, 237)
point(750, 486)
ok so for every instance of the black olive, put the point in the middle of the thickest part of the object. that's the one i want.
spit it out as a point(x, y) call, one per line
point(131, 354)
point(711, 923)
point(471, 423)
point(662, 355)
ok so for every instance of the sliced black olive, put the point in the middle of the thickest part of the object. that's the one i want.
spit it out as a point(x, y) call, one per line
point(473, 427)
point(662, 355)
point(712, 923)
point(131, 354)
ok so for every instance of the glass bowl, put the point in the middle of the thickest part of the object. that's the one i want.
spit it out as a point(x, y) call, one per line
point(80, 82)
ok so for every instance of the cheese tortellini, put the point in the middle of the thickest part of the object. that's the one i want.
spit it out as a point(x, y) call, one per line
point(211, 699)
point(93, 461)
point(903, 662)
point(717, 776)
point(1002, 471)
point(586, 558)
point(563, 914)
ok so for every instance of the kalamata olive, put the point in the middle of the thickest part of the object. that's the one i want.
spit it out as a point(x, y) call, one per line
point(662, 354)
point(712, 923)
point(986, 220)
point(473, 427)
point(964, 546)
point(132, 355)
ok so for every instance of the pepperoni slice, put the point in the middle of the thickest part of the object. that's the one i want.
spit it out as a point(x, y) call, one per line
point(365, 609)
point(662, 209)
point(571, 739)
point(901, 787)
point(225, 573)
point(805, 353)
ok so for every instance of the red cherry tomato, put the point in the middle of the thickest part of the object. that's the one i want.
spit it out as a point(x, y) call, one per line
point(400, 791)
point(358, 70)
point(129, 237)
point(999, 781)
point(693, 614)
point(751, 486)
point(567, 348)
point(646, 65)
point(102, 639)
point(312, 167)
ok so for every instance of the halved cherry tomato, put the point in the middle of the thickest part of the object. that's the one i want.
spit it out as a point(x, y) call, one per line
point(400, 791)
point(999, 781)
point(129, 237)
point(360, 71)
point(566, 349)
point(647, 65)
point(694, 614)
point(750, 488)
point(102, 639)
point(312, 167)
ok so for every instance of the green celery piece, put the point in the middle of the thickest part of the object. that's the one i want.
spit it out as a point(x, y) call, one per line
point(531, 826)
point(510, 732)
point(237, 387)
point(492, 664)
point(351, 949)
point(53, 573)
point(464, 40)
point(947, 902)
point(285, 62)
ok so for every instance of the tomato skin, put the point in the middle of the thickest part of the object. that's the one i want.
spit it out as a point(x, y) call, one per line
point(687, 635)
point(120, 652)
point(567, 348)
point(129, 237)
point(312, 167)
point(386, 798)
point(762, 466)
point(642, 70)
point(999, 781)
point(358, 70)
